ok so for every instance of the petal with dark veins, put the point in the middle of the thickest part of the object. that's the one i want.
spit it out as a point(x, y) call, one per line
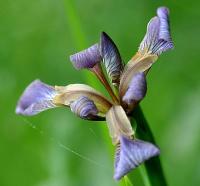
point(164, 32)
point(87, 58)
point(157, 39)
point(132, 153)
point(85, 108)
point(36, 98)
point(111, 58)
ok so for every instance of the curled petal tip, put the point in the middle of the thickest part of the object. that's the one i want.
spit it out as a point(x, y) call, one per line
point(84, 108)
point(137, 89)
point(162, 11)
point(87, 58)
point(131, 154)
point(36, 98)
point(164, 28)
point(157, 39)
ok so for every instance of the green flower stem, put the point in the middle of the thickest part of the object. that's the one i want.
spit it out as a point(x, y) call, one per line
point(154, 172)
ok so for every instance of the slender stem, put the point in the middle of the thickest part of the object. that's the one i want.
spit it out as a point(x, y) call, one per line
point(153, 166)
point(97, 70)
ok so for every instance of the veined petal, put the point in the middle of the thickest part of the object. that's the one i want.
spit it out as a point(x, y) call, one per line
point(136, 90)
point(85, 108)
point(111, 58)
point(151, 37)
point(87, 58)
point(163, 14)
point(130, 154)
point(36, 98)
point(138, 65)
point(70, 93)
point(118, 123)
point(157, 39)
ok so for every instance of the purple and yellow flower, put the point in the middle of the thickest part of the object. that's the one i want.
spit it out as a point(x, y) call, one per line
point(126, 85)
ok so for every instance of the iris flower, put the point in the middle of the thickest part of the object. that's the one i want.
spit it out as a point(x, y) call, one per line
point(126, 85)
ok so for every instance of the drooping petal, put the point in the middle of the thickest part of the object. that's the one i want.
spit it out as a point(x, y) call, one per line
point(85, 108)
point(137, 89)
point(36, 98)
point(70, 93)
point(140, 65)
point(118, 123)
point(157, 39)
point(111, 58)
point(87, 58)
point(131, 154)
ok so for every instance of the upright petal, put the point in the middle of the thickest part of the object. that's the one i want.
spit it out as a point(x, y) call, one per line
point(137, 89)
point(85, 108)
point(36, 98)
point(131, 154)
point(87, 58)
point(70, 93)
point(157, 39)
point(111, 58)
point(132, 68)
point(118, 123)
point(163, 14)
point(151, 37)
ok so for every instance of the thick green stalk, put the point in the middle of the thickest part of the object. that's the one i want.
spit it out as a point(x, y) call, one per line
point(154, 172)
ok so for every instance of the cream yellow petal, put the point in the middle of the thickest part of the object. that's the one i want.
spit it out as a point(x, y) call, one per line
point(118, 123)
point(136, 65)
point(68, 94)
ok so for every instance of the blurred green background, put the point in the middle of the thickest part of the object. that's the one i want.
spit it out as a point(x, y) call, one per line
point(36, 38)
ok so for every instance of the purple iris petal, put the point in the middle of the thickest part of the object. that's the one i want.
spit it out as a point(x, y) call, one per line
point(157, 39)
point(163, 14)
point(111, 58)
point(131, 154)
point(87, 58)
point(137, 89)
point(84, 108)
point(36, 98)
